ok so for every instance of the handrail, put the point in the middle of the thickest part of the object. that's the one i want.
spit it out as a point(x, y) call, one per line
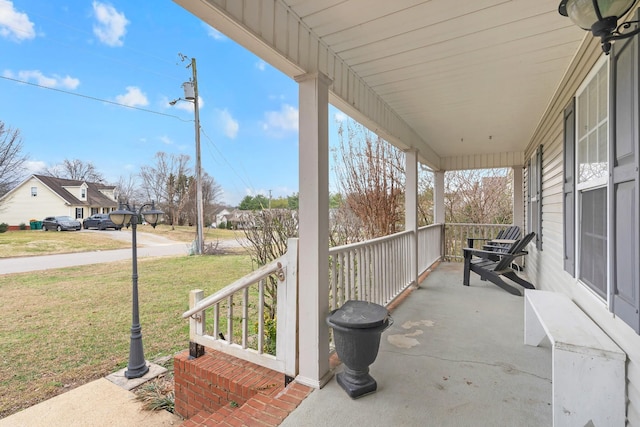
point(238, 285)
point(370, 242)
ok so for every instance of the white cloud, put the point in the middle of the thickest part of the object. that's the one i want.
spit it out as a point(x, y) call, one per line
point(133, 98)
point(261, 65)
point(284, 120)
point(36, 76)
point(166, 140)
point(213, 33)
point(340, 117)
point(229, 125)
point(111, 25)
point(34, 166)
point(13, 24)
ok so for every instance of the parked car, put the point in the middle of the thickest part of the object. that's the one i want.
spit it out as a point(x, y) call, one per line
point(100, 221)
point(60, 223)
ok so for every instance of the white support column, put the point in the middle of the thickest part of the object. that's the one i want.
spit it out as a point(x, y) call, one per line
point(518, 197)
point(411, 208)
point(438, 197)
point(313, 277)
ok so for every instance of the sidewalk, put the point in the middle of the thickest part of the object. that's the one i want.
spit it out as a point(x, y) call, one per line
point(100, 403)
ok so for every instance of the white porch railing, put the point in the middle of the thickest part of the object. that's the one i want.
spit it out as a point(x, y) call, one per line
point(242, 333)
point(232, 320)
point(379, 270)
point(430, 246)
point(456, 235)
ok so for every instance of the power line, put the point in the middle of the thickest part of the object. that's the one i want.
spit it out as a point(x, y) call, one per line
point(93, 98)
point(226, 161)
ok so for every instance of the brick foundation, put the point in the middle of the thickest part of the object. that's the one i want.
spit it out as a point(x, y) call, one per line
point(216, 382)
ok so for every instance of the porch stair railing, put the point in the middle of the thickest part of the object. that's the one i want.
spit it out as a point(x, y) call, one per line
point(238, 324)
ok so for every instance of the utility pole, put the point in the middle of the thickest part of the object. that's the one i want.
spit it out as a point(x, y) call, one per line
point(193, 84)
point(199, 207)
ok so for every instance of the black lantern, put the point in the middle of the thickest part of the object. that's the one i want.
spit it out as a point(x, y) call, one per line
point(601, 18)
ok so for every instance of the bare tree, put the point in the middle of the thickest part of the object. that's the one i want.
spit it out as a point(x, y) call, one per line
point(75, 169)
point(127, 189)
point(481, 196)
point(167, 182)
point(370, 174)
point(11, 159)
point(266, 233)
point(425, 196)
point(211, 193)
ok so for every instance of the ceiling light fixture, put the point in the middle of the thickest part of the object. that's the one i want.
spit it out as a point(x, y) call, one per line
point(601, 18)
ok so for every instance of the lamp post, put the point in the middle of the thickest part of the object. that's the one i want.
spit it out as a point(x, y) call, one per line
point(125, 214)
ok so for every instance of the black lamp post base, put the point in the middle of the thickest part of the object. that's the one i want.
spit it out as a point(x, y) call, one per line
point(356, 383)
point(136, 372)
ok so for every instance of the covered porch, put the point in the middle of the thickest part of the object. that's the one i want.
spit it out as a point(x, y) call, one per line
point(454, 356)
point(488, 84)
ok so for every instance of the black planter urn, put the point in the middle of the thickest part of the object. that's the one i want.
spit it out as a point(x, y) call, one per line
point(357, 327)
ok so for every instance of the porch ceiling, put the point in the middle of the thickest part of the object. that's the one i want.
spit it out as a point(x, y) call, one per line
point(465, 77)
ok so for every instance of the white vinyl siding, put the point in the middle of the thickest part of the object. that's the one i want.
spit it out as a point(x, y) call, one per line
point(545, 268)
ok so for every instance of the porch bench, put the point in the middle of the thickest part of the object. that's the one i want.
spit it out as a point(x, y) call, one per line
point(588, 368)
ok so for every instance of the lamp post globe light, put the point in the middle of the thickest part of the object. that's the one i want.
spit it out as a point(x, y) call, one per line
point(601, 18)
point(125, 215)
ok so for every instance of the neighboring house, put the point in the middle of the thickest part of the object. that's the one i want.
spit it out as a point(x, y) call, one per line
point(40, 196)
point(222, 216)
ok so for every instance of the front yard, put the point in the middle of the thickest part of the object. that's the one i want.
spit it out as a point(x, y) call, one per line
point(62, 328)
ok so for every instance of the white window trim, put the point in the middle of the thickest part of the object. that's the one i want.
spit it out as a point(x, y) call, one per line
point(591, 185)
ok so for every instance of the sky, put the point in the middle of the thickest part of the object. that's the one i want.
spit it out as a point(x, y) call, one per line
point(93, 80)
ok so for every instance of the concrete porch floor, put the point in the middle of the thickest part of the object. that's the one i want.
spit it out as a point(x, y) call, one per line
point(454, 357)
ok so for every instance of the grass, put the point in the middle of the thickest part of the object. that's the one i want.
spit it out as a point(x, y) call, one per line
point(37, 242)
point(62, 328)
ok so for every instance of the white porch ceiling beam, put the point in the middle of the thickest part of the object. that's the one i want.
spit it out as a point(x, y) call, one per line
point(271, 30)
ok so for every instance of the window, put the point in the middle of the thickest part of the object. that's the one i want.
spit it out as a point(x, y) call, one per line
point(592, 173)
point(83, 193)
point(34, 191)
point(79, 213)
point(601, 182)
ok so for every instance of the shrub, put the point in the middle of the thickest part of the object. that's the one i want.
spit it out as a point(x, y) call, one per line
point(4, 227)
point(22, 226)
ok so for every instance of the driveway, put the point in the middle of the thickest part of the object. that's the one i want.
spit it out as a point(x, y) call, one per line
point(149, 245)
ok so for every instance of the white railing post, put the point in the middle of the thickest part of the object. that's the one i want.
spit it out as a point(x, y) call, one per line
point(287, 324)
point(196, 324)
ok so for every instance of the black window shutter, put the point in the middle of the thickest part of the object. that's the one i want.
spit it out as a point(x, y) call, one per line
point(569, 228)
point(539, 198)
point(624, 179)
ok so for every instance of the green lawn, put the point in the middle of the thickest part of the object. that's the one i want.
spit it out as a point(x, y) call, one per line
point(62, 328)
point(38, 242)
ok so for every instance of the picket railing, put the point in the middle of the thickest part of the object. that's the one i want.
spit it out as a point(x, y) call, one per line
point(239, 319)
point(430, 246)
point(239, 325)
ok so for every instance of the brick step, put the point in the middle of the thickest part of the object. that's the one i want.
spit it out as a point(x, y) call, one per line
point(260, 410)
point(207, 387)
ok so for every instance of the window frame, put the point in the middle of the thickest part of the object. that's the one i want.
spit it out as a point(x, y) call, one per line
point(593, 184)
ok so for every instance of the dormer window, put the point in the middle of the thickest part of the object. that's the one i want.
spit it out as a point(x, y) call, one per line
point(34, 191)
point(83, 193)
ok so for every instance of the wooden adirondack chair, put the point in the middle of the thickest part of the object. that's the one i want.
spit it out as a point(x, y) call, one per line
point(491, 269)
point(510, 233)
